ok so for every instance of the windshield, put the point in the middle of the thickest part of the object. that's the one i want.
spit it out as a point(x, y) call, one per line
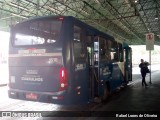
point(37, 32)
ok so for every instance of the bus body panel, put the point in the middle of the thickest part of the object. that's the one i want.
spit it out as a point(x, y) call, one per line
point(117, 76)
point(35, 78)
point(113, 73)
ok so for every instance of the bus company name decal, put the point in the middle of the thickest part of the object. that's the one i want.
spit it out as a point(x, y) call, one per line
point(32, 75)
point(32, 78)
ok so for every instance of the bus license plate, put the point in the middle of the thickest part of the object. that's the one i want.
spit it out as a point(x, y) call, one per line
point(31, 96)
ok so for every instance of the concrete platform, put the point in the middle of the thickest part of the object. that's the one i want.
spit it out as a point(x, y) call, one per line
point(136, 97)
point(135, 101)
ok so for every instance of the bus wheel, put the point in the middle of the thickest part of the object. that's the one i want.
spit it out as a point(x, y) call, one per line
point(106, 91)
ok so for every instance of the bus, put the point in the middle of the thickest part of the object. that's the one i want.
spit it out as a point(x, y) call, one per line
point(62, 60)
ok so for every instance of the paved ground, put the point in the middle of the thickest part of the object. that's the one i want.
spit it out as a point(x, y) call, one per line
point(133, 102)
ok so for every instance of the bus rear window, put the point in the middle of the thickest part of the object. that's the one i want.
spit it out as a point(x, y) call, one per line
point(37, 32)
point(22, 39)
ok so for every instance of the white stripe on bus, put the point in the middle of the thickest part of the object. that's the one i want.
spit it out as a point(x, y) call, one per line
point(29, 55)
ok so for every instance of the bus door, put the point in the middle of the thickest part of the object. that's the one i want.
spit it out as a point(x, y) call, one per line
point(93, 60)
point(128, 63)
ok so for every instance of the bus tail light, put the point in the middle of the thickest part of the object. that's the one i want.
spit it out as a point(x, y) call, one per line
point(63, 79)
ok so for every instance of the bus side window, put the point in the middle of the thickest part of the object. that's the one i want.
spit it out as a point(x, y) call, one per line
point(105, 49)
point(79, 45)
point(114, 52)
point(121, 55)
point(102, 49)
point(89, 50)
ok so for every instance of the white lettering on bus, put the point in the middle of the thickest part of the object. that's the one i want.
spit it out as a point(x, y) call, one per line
point(80, 66)
point(30, 51)
point(32, 72)
point(38, 79)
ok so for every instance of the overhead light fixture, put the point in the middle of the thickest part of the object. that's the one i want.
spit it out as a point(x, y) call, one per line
point(156, 17)
point(158, 36)
point(136, 1)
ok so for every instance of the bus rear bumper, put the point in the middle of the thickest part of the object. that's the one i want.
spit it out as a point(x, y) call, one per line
point(47, 97)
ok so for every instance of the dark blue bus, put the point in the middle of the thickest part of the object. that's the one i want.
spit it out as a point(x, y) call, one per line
point(59, 59)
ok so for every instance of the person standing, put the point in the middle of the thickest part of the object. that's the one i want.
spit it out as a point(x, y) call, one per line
point(143, 68)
